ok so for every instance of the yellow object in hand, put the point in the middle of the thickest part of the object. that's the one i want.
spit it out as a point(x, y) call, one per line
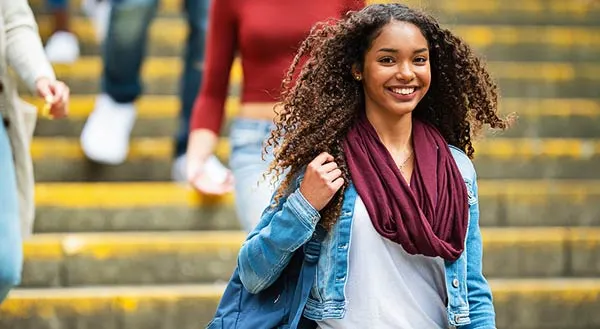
point(47, 107)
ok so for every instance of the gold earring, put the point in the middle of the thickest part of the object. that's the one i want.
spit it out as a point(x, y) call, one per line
point(357, 77)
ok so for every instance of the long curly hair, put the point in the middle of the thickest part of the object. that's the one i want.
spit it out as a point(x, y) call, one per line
point(320, 103)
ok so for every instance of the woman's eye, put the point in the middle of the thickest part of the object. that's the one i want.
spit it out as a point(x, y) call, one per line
point(420, 60)
point(386, 60)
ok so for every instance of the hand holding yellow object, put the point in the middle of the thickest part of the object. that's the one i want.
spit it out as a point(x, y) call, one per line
point(56, 97)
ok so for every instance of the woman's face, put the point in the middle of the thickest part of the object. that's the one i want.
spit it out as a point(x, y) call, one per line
point(396, 72)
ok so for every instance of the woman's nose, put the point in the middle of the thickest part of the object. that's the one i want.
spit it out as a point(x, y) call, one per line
point(405, 73)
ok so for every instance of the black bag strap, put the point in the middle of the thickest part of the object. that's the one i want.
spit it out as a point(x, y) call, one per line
point(312, 250)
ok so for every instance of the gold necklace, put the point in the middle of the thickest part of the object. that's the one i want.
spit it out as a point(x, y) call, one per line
point(403, 164)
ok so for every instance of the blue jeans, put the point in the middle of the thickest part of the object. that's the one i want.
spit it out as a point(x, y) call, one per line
point(125, 48)
point(11, 251)
point(252, 192)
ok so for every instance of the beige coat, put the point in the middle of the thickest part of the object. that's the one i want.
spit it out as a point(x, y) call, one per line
point(21, 49)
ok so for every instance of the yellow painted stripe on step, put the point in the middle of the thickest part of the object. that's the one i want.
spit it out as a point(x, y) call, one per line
point(169, 68)
point(120, 195)
point(505, 237)
point(506, 148)
point(147, 291)
point(152, 194)
point(540, 192)
point(173, 31)
point(554, 71)
point(43, 247)
point(148, 107)
point(153, 106)
point(140, 148)
point(589, 237)
point(124, 245)
point(45, 303)
point(88, 300)
point(69, 148)
point(90, 67)
point(556, 36)
point(163, 30)
point(562, 107)
point(102, 246)
point(569, 290)
point(159, 106)
point(501, 148)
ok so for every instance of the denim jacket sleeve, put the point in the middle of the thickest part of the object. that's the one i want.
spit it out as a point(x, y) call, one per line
point(481, 308)
point(270, 246)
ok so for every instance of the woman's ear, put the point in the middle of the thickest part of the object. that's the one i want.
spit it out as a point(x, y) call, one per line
point(356, 73)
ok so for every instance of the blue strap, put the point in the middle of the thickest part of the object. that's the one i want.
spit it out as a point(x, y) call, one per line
point(312, 249)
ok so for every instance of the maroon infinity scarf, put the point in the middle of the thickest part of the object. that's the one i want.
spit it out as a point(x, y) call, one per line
point(430, 217)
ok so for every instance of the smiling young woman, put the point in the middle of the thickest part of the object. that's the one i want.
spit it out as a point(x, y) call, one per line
point(374, 138)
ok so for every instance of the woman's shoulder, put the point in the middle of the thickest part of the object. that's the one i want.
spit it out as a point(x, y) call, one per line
point(465, 165)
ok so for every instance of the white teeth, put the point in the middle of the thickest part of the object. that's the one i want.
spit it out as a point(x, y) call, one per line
point(403, 91)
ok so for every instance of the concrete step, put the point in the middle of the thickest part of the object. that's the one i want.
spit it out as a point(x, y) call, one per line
point(502, 42)
point(463, 11)
point(186, 257)
point(520, 304)
point(157, 117)
point(77, 207)
point(150, 159)
point(516, 79)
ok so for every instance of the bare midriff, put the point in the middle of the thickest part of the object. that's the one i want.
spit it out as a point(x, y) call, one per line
point(257, 111)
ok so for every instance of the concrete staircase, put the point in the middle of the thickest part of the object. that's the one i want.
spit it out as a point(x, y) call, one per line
point(123, 248)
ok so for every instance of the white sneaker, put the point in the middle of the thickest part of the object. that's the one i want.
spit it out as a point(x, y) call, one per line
point(62, 47)
point(105, 135)
point(99, 13)
point(178, 172)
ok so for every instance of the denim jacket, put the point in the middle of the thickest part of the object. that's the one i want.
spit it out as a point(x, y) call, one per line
point(285, 228)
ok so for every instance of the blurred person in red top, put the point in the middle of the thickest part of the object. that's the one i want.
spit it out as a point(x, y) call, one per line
point(265, 34)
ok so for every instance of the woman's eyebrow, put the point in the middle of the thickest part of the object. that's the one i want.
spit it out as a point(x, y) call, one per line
point(393, 50)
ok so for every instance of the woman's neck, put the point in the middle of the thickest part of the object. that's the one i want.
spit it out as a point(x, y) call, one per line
point(395, 132)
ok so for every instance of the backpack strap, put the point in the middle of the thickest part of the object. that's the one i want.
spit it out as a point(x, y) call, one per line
point(312, 250)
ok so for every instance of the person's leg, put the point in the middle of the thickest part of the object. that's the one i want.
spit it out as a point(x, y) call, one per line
point(252, 192)
point(62, 45)
point(11, 252)
point(124, 48)
point(196, 12)
point(105, 137)
point(60, 11)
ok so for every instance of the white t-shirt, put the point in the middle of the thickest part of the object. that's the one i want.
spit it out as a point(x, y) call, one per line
point(388, 288)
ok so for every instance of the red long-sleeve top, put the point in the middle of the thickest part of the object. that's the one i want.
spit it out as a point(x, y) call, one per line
point(265, 34)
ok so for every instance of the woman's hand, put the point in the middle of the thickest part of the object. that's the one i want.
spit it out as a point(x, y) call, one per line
point(322, 179)
point(56, 94)
point(204, 171)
